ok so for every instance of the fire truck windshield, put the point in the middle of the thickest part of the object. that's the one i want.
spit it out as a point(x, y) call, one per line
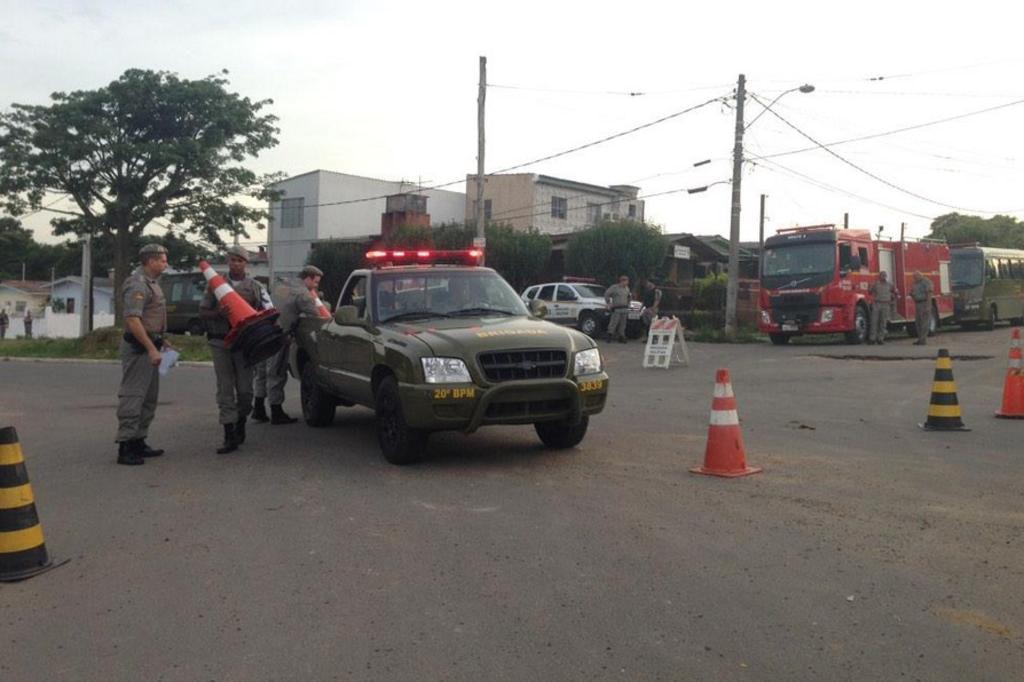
point(793, 265)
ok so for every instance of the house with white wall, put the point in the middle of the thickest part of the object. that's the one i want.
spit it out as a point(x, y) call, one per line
point(322, 206)
point(68, 290)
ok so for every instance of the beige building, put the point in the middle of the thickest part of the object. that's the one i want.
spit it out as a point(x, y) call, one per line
point(551, 205)
point(19, 295)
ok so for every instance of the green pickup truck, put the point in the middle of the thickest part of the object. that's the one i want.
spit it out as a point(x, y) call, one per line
point(434, 347)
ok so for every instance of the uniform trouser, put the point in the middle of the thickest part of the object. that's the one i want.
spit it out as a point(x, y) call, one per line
point(28, 331)
point(234, 383)
point(879, 320)
point(277, 376)
point(259, 379)
point(617, 325)
point(3, 331)
point(922, 318)
point(140, 388)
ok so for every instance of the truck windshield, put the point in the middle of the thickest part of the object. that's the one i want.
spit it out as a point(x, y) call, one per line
point(967, 269)
point(438, 293)
point(590, 290)
point(799, 265)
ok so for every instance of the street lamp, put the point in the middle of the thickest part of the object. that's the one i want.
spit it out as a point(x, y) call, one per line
point(732, 288)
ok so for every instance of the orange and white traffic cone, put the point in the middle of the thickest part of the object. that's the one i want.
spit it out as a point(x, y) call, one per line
point(1013, 387)
point(320, 307)
point(725, 455)
point(253, 333)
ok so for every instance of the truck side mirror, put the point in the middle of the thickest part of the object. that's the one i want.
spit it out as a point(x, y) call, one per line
point(348, 315)
point(538, 309)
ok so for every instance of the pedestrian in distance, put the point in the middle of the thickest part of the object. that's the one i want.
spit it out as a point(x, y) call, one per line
point(652, 302)
point(234, 379)
point(4, 321)
point(145, 321)
point(921, 293)
point(293, 301)
point(616, 298)
point(884, 297)
point(28, 324)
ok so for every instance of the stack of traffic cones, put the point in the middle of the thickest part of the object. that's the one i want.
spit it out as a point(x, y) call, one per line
point(725, 454)
point(253, 333)
point(320, 307)
point(1013, 387)
point(944, 408)
point(22, 549)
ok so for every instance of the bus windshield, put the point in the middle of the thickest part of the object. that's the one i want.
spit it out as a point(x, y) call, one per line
point(967, 269)
point(799, 265)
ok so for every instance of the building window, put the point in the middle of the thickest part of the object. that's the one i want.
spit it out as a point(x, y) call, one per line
point(487, 210)
point(69, 306)
point(632, 210)
point(559, 207)
point(593, 214)
point(291, 213)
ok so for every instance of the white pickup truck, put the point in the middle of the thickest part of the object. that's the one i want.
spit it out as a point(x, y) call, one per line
point(581, 305)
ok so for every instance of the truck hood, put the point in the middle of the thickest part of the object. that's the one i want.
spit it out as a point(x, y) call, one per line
point(454, 338)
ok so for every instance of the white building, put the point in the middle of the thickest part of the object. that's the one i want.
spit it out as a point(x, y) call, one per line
point(551, 205)
point(323, 205)
point(69, 291)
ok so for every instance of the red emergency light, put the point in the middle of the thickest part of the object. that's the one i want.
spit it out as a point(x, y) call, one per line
point(424, 257)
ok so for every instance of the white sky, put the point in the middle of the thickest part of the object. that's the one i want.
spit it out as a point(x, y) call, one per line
point(388, 89)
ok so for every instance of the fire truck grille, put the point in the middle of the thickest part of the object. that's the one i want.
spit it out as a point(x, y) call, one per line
point(501, 366)
point(795, 307)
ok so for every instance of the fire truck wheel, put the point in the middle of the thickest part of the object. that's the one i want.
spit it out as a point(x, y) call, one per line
point(860, 327)
point(779, 339)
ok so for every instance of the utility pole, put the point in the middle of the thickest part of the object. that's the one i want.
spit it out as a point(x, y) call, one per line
point(846, 221)
point(732, 287)
point(481, 235)
point(85, 316)
point(760, 241)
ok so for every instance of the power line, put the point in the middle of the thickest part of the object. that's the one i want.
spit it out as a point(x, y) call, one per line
point(865, 171)
point(621, 93)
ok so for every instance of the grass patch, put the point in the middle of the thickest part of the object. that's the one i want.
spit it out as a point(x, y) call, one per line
point(101, 344)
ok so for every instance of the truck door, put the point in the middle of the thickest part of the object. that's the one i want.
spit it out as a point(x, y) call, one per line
point(885, 264)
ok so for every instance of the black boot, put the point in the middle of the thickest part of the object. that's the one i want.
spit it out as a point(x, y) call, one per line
point(279, 416)
point(240, 430)
point(129, 453)
point(148, 451)
point(259, 412)
point(230, 443)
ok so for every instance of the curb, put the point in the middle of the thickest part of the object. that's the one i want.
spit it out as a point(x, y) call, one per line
point(98, 361)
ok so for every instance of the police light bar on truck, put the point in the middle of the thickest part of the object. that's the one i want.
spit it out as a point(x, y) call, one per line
point(393, 257)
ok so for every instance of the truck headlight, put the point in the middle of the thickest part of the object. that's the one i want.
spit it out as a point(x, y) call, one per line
point(587, 362)
point(766, 317)
point(445, 371)
point(827, 314)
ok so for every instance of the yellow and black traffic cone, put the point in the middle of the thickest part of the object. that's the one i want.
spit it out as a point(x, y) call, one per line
point(944, 408)
point(22, 550)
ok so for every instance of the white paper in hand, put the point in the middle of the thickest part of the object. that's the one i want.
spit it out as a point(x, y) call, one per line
point(168, 359)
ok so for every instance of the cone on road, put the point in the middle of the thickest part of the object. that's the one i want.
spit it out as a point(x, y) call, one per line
point(944, 408)
point(1013, 387)
point(320, 307)
point(252, 333)
point(22, 549)
point(724, 455)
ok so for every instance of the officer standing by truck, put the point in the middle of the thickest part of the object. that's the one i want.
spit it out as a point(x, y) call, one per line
point(292, 301)
point(145, 320)
point(617, 298)
point(921, 293)
point(884, 295)
point(259, 377)
point(234, 379)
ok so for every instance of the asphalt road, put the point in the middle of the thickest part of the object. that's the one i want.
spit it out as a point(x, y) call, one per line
point(867, 549)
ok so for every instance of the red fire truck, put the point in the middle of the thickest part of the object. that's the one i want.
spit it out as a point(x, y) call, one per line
point(815, 280)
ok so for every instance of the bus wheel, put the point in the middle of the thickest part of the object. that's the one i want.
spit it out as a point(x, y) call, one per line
point(779, 339)
point(860, 327)
point(993, 315)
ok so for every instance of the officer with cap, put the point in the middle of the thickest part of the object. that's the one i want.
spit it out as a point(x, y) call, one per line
point(234, 379)
point(293, 301)
point(145, 320)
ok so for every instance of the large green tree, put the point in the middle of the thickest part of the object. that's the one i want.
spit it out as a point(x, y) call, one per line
point(518, 256)
point(616, 247)
point(1000, 230)
point(149, 145)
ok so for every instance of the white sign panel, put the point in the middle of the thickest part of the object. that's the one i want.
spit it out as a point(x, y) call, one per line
point(681, 252)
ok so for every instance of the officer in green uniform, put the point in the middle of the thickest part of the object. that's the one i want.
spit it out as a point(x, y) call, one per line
point(884, 294)
point(921, 293)
point(145, 320)
point(259, 377)
point(234, 379)
point(617, 297)
point(292, 301)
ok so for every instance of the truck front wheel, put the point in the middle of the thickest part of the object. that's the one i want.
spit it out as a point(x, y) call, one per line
point(859, 333)
point(560, 435)
point(318, 406)
point(399, 443)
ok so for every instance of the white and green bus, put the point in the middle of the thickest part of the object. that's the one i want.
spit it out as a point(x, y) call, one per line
point(988, 285)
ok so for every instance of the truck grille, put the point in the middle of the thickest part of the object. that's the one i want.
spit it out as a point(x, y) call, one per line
point(516, 365)
point(795, 307)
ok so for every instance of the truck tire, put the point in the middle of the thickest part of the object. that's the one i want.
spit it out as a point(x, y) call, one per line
point(318, 406)
point(859, 334)
point(560, 435)
point(196, 327)
point(589, 324)
point(779, 339)
point(399, 443)
point(993, 316)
